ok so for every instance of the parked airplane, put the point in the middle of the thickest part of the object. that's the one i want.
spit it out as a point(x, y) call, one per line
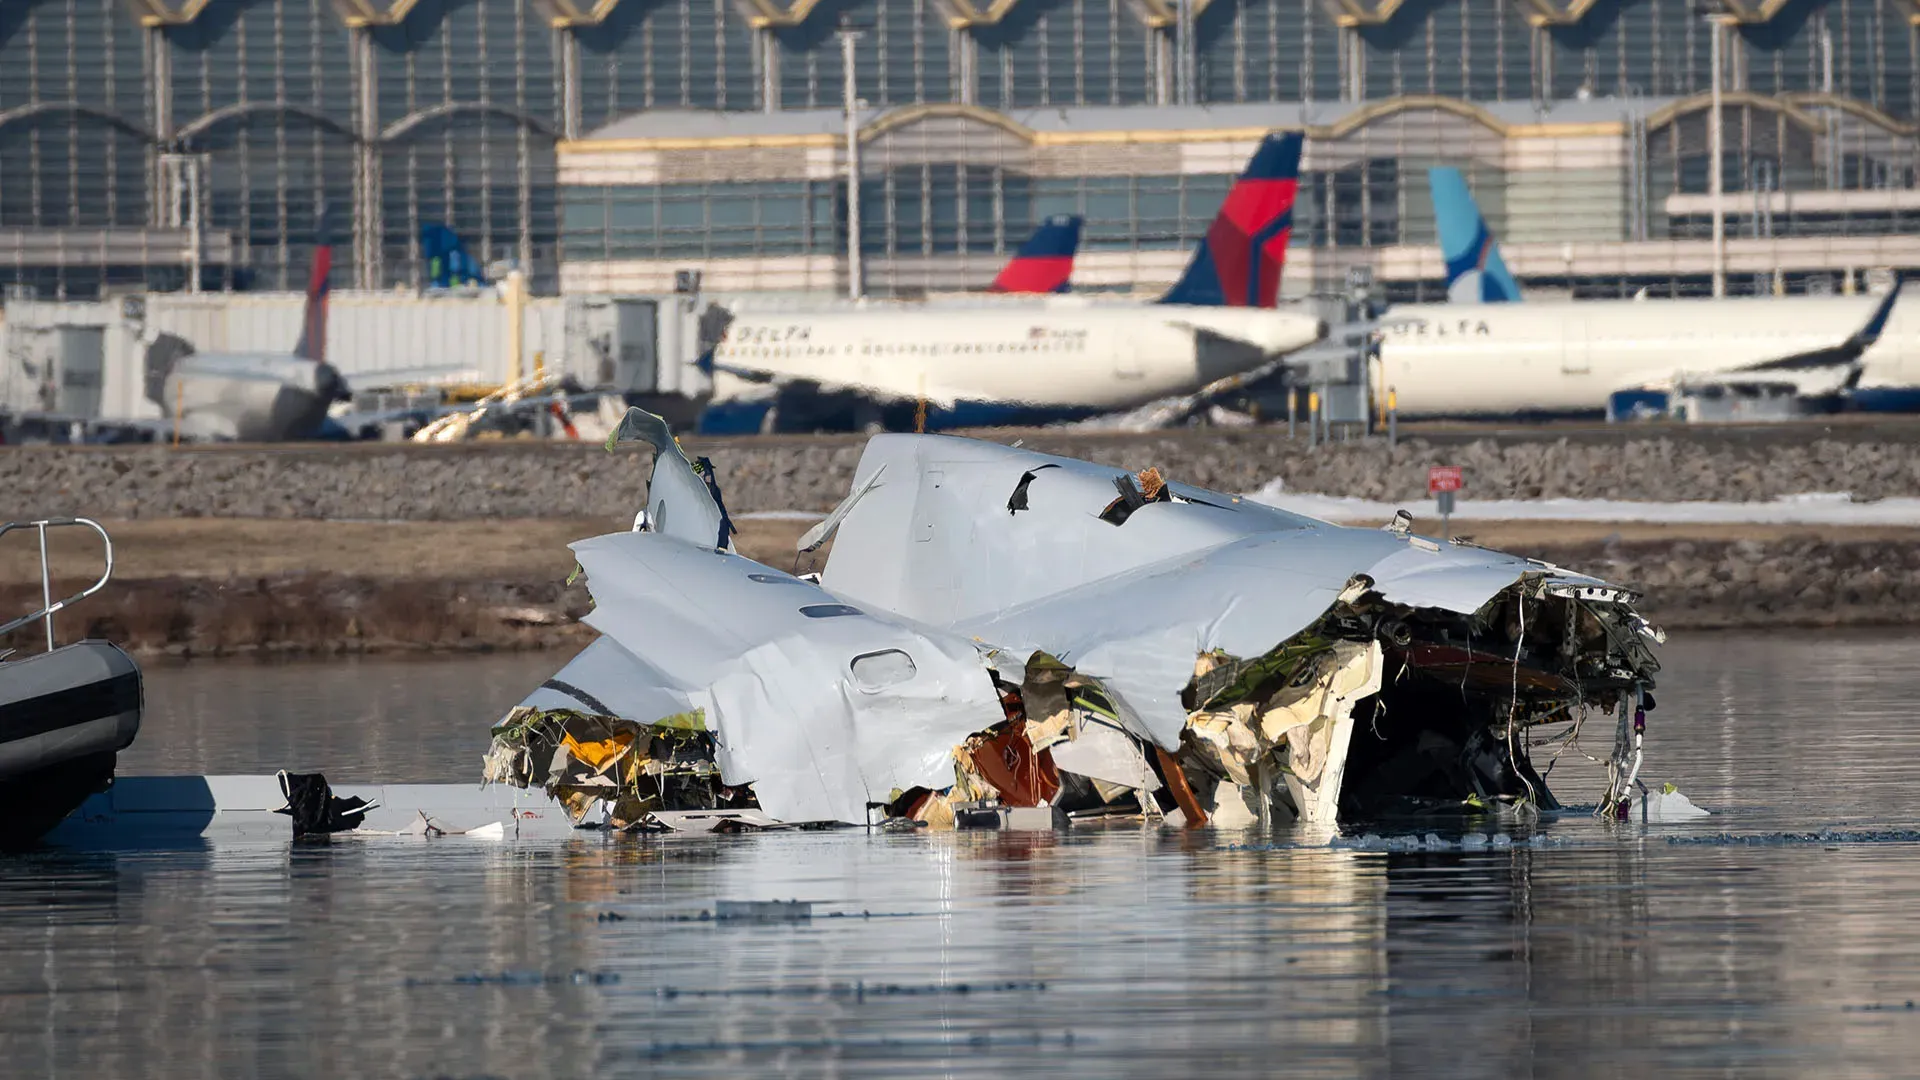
point(1812, 348)
point(250, 397)
point(1016, 364)
point(1476, 273)
point(1573, 357)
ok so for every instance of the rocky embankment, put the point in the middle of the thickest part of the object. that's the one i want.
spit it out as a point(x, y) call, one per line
point(522, 480)
point(1791, 582)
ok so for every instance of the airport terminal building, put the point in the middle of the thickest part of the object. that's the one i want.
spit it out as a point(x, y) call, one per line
point(607, 145)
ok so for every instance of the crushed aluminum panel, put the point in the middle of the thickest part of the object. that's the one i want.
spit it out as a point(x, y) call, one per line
point(147, 811)
point(824, 530)
point(808, 698)
point(971, 556)
point(1455, 578)
point(1138, 632)
point(1104, 753)
point(1132, 604)
point(608, 680)
point(678, 502)
point(706, 821)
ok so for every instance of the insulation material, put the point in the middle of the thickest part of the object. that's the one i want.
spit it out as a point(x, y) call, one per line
point(1318, 726)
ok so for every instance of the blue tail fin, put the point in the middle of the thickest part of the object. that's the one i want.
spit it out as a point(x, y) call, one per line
point(1240, 259)
point(1045, 262)
point(448, 263)
point(1476, 274)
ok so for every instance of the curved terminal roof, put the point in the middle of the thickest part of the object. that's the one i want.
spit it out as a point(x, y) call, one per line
point(964, 14)
point(669, 129)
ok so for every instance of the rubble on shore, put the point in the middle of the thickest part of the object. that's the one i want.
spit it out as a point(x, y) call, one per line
point(495, 481)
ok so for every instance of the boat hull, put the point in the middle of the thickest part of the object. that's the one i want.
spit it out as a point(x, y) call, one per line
point(64, 718)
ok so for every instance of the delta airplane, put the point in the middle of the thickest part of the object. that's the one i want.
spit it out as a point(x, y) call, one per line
point(1580, 357)
point(1045, 360)
point(257, 397)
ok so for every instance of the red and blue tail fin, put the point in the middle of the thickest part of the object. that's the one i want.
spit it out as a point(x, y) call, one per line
point(1244, 251)
point(1045, 262)
point(313, 327)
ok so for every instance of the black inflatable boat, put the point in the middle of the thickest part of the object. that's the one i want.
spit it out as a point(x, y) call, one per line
point(65, 713)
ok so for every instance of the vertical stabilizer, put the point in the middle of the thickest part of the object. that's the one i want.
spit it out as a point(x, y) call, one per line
point(1044, 264)
point(313, 329)
point(1240, 259)
point(448, 264)
point(1476, 274)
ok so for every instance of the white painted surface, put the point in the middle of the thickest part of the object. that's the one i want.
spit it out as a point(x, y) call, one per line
point(1495, 359)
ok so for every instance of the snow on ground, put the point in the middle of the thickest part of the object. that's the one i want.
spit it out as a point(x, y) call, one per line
point(1817, 508)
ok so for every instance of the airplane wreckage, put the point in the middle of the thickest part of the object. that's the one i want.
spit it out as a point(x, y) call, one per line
point(1000, 633)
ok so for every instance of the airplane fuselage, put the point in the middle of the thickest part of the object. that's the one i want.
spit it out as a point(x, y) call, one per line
point(250, 397)
point(1106, 356)
point(1569, 356)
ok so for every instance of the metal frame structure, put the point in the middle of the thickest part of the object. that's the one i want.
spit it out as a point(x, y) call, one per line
point(48, 606)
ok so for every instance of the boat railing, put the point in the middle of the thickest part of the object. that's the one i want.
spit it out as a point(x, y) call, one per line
point(47, 604)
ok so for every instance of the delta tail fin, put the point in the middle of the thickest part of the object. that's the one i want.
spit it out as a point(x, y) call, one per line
point(1240, 259)
point(1476, 274)
point(313, 327)
point(1044, 264)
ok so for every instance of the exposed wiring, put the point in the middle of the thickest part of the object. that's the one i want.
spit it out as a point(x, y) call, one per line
point(1513, 705)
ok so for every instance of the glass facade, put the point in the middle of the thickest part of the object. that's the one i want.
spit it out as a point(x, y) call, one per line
point(946, 209)
point(392, 115)
point(704, 221)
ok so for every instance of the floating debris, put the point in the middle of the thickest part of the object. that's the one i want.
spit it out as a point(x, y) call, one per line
point(1000, 640)
point(763, 910)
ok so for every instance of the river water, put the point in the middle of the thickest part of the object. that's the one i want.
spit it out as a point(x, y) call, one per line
point(1744, 945)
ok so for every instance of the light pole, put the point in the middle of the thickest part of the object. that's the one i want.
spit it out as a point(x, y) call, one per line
point(1714, 180)
point(849, 88)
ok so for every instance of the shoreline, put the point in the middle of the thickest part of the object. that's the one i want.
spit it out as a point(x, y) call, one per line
point(288, 588)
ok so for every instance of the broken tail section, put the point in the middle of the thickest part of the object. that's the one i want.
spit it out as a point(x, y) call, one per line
point(1240, 260)
point(1044, 263)
point(1476, 274)
point(313, 326)
point(683, 494)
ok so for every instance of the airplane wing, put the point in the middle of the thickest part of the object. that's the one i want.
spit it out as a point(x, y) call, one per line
point(1174, 411)
point(1846, 352)
point(1813, 372)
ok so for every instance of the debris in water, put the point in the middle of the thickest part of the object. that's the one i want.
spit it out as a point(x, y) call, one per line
point(1669, 805)
point(997, 640)
point(763, 910)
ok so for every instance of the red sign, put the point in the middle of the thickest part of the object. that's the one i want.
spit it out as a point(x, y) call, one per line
point(1444, 478)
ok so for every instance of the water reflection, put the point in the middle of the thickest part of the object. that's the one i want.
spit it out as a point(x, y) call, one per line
point(1111, 952)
